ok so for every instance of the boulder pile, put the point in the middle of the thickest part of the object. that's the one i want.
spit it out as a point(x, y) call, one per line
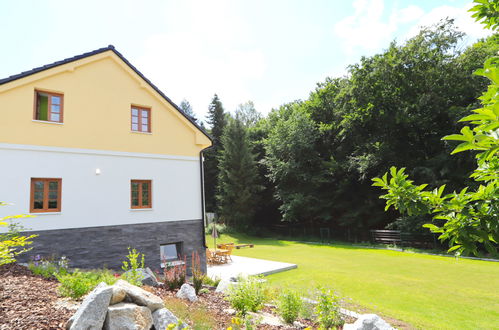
point(121, 306)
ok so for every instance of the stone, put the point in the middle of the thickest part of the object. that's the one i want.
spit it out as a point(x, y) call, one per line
point(230, 311)
point(140, 296)
point(187, 292)
point(223, 286)
point(163, 317)
point(265, 318)
point(119, 295)
point(368, 322)
point(299, 325)
point(147, 276)
point(92, 312)
point(126, 316)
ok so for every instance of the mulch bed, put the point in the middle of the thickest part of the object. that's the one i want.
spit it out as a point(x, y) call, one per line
point(27, 301)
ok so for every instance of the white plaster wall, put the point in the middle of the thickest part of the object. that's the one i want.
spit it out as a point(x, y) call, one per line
point(90, 200)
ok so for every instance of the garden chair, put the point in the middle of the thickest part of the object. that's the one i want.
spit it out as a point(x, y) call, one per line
point(212, 258)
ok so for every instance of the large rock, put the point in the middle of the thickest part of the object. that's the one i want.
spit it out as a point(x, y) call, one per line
point(187, 292)
point(147, 277)
point(163, 317)
point(119, 295)
point(92, 312)
point(125, 316)
point(139, 296)
point(224, 285)
point(368, 322)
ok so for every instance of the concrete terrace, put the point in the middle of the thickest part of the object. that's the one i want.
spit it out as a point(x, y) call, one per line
point(248, 266)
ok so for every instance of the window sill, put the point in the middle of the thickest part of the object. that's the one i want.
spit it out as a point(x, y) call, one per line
point(47, 122)
point(44, 213)
point(172, 263)
point(142, 209)
point(139, 132)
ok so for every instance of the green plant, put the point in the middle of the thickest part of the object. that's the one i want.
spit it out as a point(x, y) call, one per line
point(196, 315)
point(197, 275)
point(221, 228)
point(12, 243)
point(248, 295)
point(289, 305)
point(211, 281)
point(328, 310)
point(130, 267)
point(174, 276)
point(48, 267)
point(466, 218)
point(77, 284)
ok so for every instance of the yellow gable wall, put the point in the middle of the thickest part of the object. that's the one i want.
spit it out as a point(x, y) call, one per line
point(98, 94)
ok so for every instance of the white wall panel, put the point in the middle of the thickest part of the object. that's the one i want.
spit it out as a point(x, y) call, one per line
point(89, 199)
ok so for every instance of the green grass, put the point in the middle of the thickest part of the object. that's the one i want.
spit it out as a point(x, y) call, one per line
point(427, 292)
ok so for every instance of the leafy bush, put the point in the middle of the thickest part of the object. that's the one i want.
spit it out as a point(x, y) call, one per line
point(221, 228)
point(48, 267)
point(247, 296)
point(211, 281)
point(133, 276)
point(289, 305)
point(77, 284)
point(197, 275)
point(12, 243)
point(174, 275)
point(328, 310)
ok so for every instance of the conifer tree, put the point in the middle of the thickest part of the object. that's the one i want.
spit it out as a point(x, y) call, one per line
point(216, 120)
point(186, 107)
point(237, 187)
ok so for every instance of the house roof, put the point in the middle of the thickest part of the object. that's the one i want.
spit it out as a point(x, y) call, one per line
point(95, 52)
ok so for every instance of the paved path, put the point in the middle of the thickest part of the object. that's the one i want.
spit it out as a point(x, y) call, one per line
point(248, 266)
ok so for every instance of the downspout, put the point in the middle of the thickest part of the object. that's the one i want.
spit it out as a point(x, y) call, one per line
point(203, 214)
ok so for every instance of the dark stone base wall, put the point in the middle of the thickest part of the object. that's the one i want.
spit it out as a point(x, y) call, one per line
point(107, 246)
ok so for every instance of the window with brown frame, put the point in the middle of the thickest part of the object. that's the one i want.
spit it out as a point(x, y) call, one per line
point(141, 197)
point(141, 119)
point(49, 106)
point(45, 195)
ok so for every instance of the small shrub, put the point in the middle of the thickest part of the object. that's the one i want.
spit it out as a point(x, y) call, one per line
point(197, 275)
point(289, 306)
point(328, 310)
point(48, 267)
point(174, 275)
point(77, 284)
point(212, 281)
point(247, 296)
point(133, 276)
point(221, 228)
point(12, 243)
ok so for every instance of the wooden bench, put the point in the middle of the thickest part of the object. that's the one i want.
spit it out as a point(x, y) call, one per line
point(237, 246)
point(396, 237)
point(386, 236)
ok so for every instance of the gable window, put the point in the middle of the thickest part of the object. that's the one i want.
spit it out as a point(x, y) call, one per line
point(45, 195)
point(141, 119)
point(141, 194)
point(48, 106)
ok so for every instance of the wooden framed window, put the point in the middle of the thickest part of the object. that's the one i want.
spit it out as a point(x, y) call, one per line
point(141, 194)
point(45, 195)
point(141, 119)
point(49, 106)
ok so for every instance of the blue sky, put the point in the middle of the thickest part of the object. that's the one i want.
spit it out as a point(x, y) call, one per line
point(270, 52)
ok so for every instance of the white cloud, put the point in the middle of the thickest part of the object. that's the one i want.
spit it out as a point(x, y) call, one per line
point(201, 54)
point(462, 19)
point(371, 29)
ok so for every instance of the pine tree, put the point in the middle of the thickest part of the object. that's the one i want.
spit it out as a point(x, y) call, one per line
point(216, 119)
point(237, 187)
point(186, 107)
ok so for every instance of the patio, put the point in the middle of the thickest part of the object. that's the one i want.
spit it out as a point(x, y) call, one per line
point(247, 266)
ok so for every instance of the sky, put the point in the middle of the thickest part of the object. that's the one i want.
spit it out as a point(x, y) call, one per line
point(268, 51)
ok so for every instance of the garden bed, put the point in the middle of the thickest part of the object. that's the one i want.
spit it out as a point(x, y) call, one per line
point(29, 301)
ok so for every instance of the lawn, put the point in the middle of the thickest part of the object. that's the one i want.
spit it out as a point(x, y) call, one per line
point(428, 292)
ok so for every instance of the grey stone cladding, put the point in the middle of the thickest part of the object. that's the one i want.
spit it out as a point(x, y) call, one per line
point(107, 246)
